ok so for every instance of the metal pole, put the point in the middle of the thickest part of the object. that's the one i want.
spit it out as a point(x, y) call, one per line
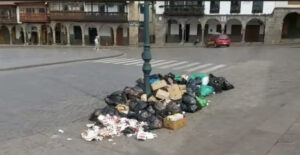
point(146, 55)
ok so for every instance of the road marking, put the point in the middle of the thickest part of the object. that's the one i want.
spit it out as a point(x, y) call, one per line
point(172, 65)
point(134, 63)
point(152, 62)
point(198, 67)
point(124, 61)
point(186, 66)
point(110, 60)
point(213, 68)
point(163, 63)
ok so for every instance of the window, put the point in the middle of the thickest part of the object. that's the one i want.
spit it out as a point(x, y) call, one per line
point(101, 7)
point(214, 6)
point(65, 7)
point(235, 6)
point(257, 6)
point(121, 8)
point(142, 8)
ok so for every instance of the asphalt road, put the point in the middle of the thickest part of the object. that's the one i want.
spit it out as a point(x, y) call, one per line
point(259, 117)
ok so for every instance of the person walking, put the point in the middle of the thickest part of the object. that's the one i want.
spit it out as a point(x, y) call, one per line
point(97, 43)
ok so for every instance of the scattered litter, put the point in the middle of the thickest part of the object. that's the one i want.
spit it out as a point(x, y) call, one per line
point(61, 131)
point(69, 139)
point(54, 136)
point(130, 112)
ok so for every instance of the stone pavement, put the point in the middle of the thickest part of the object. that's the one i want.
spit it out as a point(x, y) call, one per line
point(18, 57)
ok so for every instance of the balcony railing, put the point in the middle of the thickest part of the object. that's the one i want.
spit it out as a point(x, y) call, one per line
point(34, 18)
point(184, 10)
point(214, 9)
point(257, 10)
point(88, 16)
point(8, 19)
point(235, 9)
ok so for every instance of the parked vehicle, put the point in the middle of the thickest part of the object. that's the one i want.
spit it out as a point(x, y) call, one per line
point(218, 40)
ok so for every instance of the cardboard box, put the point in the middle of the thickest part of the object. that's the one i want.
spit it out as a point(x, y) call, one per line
point(182, 88)
point(175, 125)
point(175, 92)
point(161, 94)
point(158, 85)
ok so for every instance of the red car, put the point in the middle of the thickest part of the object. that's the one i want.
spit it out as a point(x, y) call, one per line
point(218, 40)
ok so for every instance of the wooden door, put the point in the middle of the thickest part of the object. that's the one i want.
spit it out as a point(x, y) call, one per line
point(252, 33)
point(120, 36)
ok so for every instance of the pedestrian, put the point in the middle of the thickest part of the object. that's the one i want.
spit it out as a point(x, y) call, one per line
point(97, 43)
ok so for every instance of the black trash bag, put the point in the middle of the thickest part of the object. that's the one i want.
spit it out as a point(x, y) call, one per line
point(138, 89)
point(143, 115)
point(189, 103)
point(191, 86)
point(128, 130)
point(95, 114)
point(154, 122)
point(159, 106)
point(137, 105)
point(198, 81)
point(133, 106)
point(142, 105)
point(173, 108)
point(227, 85)
point(117, 97)
point(132, 115)
point(109, 110)
point(150, 109)
point(131, 93)
point(169, 78)
point(216, 83)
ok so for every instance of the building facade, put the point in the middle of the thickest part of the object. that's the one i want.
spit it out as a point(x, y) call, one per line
point(120, 22)
point(270, 22)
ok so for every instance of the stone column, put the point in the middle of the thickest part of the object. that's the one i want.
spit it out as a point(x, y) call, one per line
point(25, 34)
point(83, 34)
point(115, 36)
point(223, 28)
point(53, 34)
point(182, 33)
point(202, 36)
point(243, 33)
point(133, 20)
point(39, 34)
point(68, 34)
point(10, 34)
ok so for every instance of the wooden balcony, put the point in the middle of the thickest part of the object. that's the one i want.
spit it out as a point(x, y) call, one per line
point(184, 10)
point(88, 16)
point(34, 18)
point(8, 19)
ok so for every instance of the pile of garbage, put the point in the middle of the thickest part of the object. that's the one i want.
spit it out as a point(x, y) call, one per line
point(130, 112)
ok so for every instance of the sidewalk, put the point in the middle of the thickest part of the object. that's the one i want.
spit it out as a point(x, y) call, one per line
point(19, 57)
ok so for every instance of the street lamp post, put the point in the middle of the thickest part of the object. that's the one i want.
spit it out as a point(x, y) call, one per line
point(146, 55)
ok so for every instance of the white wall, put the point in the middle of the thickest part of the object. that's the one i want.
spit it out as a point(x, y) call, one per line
point(212, 27)
point(159, 10)
point(105, 31)
point(225, 7)
point(229, 24)
point(246, 7)
point(285, 4)
point(206, 7)
point(268, 7)
point(174, 29)
point(193, 29)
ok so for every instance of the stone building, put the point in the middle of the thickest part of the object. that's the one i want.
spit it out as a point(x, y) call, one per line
point(120, 22)
point(243, 21)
